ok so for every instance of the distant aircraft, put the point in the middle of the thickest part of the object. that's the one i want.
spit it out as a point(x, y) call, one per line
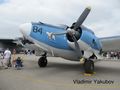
point(72, 43)
point(9, 43)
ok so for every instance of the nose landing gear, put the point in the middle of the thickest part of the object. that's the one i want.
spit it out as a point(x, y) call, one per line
point(42, 62)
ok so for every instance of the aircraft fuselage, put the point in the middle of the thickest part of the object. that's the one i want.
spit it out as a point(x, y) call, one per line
point(59, 45)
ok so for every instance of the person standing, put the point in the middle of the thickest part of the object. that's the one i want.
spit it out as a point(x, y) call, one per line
point(7, 58)
point(14, 58)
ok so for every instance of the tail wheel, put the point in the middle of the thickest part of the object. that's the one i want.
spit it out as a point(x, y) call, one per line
point(89, 66)
point(42, 62)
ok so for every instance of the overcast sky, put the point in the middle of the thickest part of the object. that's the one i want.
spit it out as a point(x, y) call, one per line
point(104, 18)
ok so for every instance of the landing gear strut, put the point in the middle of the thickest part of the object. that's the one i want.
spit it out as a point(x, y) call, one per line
point(89, 66)
point(42, 62)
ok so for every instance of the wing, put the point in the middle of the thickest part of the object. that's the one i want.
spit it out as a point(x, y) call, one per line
point(6, 40)
point(6, 43)
point(110, 43)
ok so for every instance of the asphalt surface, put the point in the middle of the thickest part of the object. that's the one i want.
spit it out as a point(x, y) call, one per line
point(60, 74)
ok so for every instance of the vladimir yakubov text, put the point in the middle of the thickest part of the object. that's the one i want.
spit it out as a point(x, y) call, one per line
point(94, 81)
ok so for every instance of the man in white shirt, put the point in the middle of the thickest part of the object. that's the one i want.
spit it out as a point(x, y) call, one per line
point(7, 58)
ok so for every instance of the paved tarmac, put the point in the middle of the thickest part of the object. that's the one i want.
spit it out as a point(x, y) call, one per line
point(60, 74)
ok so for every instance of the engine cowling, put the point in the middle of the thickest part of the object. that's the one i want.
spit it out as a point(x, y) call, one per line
point(76, 33)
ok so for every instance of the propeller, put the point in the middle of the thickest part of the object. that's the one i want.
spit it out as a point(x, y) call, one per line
point(73, 33)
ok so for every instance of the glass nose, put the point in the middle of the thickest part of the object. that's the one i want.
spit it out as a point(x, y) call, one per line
point(25, 29)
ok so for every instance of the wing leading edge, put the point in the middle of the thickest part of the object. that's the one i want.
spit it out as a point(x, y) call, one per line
point(110, 43)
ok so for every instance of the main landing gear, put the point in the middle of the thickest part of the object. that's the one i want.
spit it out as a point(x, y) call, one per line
point(42, 62)
point(89, 66)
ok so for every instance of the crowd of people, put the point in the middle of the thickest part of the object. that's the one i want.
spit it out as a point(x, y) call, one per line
point(112, 55)
point(6, 61)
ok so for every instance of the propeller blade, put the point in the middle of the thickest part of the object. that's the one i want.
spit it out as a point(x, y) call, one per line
point(81, 18)
point(77, 48)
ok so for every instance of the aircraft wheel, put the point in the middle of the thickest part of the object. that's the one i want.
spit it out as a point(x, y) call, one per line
point(89, 66)
point(42, 62)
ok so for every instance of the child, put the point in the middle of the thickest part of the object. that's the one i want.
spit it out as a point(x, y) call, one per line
point(18, 63)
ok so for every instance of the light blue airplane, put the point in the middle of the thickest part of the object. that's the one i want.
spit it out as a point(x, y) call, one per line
point(73, 43)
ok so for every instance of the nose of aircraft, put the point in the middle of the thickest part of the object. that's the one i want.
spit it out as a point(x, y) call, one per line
point(25, 29)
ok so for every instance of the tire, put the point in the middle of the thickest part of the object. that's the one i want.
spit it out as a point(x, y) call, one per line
point(89, 66)
point(42, 62)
